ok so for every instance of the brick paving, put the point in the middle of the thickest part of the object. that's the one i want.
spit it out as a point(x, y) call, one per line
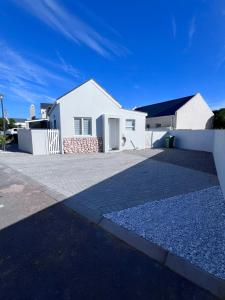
point(49, 252)
point(115, 181)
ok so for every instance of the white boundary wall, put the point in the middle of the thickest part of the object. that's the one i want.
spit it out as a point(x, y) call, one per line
point(38, 141)
point(25, 140)
point(219, 156)
point(200, 140)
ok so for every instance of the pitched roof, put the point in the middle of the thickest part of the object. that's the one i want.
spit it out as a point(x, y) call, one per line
point(164, 108)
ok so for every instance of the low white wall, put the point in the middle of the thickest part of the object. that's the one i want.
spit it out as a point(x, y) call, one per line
point(40, 141)
point(155, 138)
point(219, 156)
point(33, 141)
point(200, 140)
point(25, 140)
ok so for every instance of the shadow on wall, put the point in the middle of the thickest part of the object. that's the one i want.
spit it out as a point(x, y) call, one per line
point(99, 127)
point(155, 139)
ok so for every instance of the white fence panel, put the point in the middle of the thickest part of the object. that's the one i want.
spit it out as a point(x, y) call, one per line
point(53, 141)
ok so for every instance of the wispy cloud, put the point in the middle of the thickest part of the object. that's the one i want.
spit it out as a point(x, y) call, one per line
point(25, 80)
point(174, 28)
point(18, 70)
point(30, 96)
point(191, 31)
point(56, 16)
point(68, 68)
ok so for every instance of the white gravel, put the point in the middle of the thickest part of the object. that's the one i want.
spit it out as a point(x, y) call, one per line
point(190, 225)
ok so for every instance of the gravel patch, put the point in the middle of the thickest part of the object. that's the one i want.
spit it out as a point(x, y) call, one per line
point(190, 225)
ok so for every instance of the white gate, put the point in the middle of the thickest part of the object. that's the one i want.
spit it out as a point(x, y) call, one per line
point(53, 141)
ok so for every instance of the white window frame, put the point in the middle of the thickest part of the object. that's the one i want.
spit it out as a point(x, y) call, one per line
point(133, 126)
point(82, 125)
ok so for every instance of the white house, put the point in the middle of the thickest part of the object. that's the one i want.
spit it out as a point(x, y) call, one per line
point(45, 108)
point(191, 112)
point(91, 120)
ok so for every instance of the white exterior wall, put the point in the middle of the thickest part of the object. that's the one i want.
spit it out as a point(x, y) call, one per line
point(134, 139)
point(165, 121)
point(55, 114)
point(219, 156)
point(43, 113)
point(195, 114)
point(91, 101)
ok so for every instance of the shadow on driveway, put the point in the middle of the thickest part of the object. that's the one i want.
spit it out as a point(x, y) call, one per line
point(56, 254)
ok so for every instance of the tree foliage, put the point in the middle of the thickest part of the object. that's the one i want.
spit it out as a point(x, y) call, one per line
point(9, 125)
point(219, 119)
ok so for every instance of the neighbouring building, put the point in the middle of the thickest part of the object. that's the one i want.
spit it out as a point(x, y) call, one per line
point(91, 120)
point(45, 109)
point(41, 123)
point(191, 112)
point(19, 122)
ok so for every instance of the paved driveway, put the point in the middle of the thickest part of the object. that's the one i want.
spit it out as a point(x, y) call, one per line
point(115, 181)
point(49, 252)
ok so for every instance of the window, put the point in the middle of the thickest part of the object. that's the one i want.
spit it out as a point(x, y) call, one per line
point(77, 126)
point(82, 126)
point(157, 125)
point(86, 126)
point(55, 126)
point(130, 124)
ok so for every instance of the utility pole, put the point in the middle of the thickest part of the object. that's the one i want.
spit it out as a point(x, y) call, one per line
point(3, 120)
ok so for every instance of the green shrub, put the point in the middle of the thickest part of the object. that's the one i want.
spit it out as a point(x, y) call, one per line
point(219, 119)
point(2, 139)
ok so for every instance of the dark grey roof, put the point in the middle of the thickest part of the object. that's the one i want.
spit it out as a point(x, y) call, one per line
point(19, 120)
point(164, 108)
point(46, 105)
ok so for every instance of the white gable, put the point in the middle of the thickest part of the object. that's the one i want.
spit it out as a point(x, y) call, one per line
point(90, 84)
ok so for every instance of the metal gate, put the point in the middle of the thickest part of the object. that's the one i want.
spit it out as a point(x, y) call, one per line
point(53, 141)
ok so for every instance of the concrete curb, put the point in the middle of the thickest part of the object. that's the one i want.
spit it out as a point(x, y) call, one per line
point(82, 210)
point(134, 240)
point(179, 265)
point(196, 275)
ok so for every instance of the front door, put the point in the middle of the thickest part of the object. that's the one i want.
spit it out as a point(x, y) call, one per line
point(113, 134)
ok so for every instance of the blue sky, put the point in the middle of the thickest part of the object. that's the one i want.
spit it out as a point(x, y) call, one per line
point(141, 51)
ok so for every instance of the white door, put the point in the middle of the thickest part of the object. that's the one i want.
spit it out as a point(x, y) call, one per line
point(113, 134)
